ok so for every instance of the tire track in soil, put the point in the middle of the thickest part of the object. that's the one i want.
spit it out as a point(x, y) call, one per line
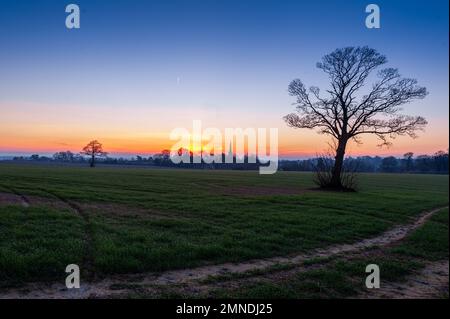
point(388, 237)
point(103, 288)
point(430, 282)
point(88, 259)
point(24, 201)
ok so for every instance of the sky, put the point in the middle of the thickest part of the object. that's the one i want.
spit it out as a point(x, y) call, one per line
point(135, 70)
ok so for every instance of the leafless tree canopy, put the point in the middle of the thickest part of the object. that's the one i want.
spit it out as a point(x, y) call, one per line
point(93, 149)
point(350, 107)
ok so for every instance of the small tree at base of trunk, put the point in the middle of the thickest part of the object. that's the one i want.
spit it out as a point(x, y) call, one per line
point(93, 149)
point(346, 115)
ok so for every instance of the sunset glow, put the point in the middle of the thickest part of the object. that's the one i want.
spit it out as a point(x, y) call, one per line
point(129, 87)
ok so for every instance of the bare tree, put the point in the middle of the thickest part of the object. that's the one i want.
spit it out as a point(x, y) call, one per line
point(93, 149)
point(408, 158)
point(350, 108)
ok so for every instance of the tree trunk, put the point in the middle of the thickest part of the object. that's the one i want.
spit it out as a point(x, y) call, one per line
point(338, 163)
point(93, 160)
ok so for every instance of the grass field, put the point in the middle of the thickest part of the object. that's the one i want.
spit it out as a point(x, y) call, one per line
point(341, 277)
point(128, 220)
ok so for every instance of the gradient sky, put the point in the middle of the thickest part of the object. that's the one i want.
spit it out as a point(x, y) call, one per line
point(137, 69)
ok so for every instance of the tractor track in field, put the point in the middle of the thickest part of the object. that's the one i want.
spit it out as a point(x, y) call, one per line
point(108, 287)
point(24, 201)
point(87, 266)
point(430, 282)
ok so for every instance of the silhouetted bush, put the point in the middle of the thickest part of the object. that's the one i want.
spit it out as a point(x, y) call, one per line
point(323, 172)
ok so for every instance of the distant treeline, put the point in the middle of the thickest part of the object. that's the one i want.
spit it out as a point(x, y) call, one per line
point(437, 163)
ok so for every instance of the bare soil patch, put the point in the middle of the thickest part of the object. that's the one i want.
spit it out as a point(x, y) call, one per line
point(431, 282)
point(52, 203)
point(10, 199)
point(14, 198)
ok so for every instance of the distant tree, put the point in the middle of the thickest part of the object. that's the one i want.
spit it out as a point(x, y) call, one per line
point(423, 163)
point(162, 158)
point(345, 115)
point(408, 160)
point(93, 149)
point(441, 162)
point(67, 156)
point(389, 164)
point(34, 157)
point(165, 154)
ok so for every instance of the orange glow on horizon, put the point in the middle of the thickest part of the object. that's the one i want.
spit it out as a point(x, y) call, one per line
point(289, 146)
point(32, 128)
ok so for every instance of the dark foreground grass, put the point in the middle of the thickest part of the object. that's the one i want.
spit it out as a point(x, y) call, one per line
point(37, 244)
point(153, 220)
point(345, 277)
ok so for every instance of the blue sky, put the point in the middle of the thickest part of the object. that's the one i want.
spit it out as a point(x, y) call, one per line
point(226, 62)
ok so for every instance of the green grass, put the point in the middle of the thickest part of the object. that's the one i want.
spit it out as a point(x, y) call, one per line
point(160, 219)
point(37, 244)
point(344, 278)
point(429, 242)
point(311, 285)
